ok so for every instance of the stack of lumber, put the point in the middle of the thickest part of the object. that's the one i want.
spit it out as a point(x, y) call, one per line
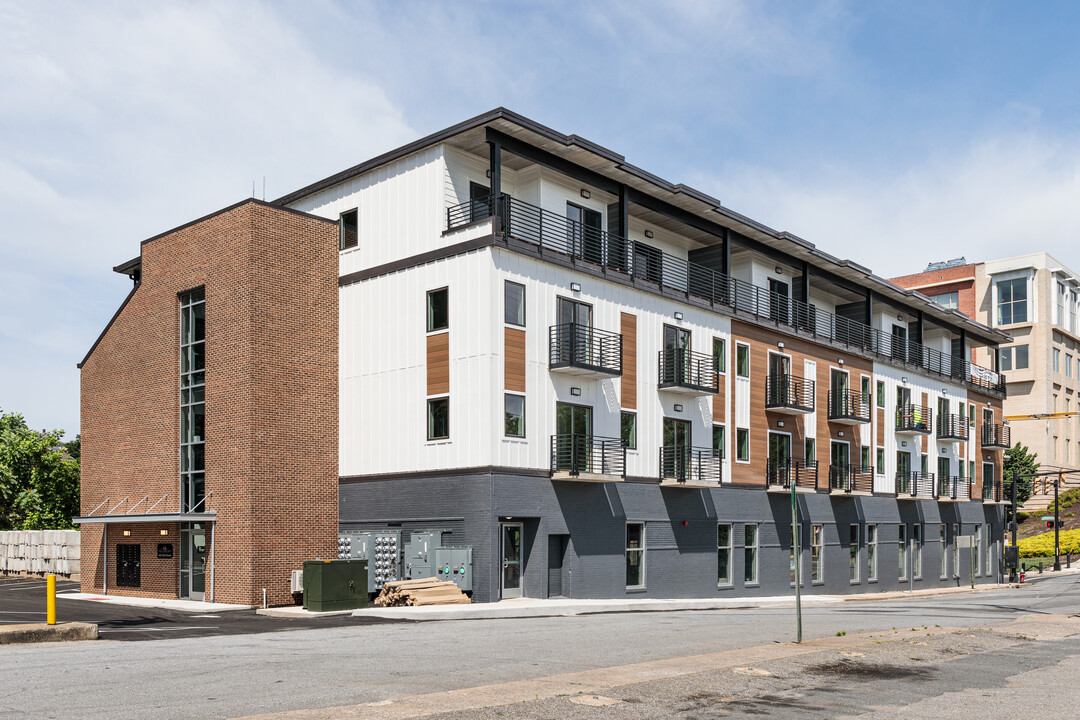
point(421, 591)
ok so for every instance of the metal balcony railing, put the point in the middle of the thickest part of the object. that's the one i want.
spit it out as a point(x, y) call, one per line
point(584, 348)
point(781, 473)
point(576, 454)
point(952, 487)
point(550, 232)
point(848, 406)
point(996, 436)
point(691, 464)
point(789, 392)
point(683, 369)
point(914, 419)
point(851, 478)
point(952, 427)
point(915, 484)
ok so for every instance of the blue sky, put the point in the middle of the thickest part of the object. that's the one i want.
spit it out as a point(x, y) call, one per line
point(891, 133)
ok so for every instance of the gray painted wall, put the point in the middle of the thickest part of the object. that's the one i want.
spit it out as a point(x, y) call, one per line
point(681, 530)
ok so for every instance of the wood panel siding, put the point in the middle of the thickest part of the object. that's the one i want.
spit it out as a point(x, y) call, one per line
point(438, 364)
point(881, 426)
point(628, 328)
point(514, 369)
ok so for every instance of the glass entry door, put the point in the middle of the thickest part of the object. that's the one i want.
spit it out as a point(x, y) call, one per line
point(193, 562)
point(573, 320)
point(676, 448)
point(510, 552)
point(573, 428)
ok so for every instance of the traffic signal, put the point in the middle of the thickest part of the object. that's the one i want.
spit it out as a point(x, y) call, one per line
point(1050, 523)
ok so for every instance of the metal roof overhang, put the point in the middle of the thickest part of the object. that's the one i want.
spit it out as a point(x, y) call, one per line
point(147, 518)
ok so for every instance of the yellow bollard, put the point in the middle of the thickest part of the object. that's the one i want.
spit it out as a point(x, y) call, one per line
point(51, 599)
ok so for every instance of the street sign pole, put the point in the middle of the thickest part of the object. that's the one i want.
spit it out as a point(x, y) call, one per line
point(795, 554)
point(1057, 514)
point(1012, 570)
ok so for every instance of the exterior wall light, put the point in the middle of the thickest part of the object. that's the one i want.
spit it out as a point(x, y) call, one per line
point(780, 344)
point(575, 391)
point(779, 270)
point(586, 194)
point(648, 233)
point(575, 287)
point(780, 423)
point(678, 408)
point(840, 361)
point(678, 316)
point(903, 380)
point(164, 532)
point(841, 433)
point(127, 533)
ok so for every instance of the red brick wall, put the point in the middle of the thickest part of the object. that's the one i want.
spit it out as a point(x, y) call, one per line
point(271, 397)
point(959, 279)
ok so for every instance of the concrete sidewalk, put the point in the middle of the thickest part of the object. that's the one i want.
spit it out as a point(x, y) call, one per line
point(170, 604)
point(42, 632)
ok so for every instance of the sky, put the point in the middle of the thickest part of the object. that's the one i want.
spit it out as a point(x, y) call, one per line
point(890, 133)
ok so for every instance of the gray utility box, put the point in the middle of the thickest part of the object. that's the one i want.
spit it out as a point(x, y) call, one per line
point(455, 563)
point(381, 549)
point(420, 554)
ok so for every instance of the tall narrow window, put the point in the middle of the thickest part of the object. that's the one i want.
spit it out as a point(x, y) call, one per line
point(629, 430)
point(742, 445)
point(514, 303)
point(880, 394)
point(901, 547)
point(438, 414)
point(1012, 301)
point(719, 353)
point(1056, 355)
point(742, 360)
point(750, 553)
point(635, 555)
point(817, 567)
point(723, 554)
point(810, 450)
point(192, 400)
point(916, 550)
point(514, 415)
point(871, 553)
point(881, 461)
point(349, 230)
point(719, 440)
point(866, 392)
point(853, 553)
point(438, 309)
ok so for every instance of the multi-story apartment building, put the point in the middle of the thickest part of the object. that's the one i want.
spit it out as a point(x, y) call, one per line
point(1034, 298)
point(604, 383)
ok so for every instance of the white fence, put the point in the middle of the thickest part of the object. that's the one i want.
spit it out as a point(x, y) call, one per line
point(39, 552)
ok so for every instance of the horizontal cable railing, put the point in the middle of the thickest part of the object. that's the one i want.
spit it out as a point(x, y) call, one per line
point(914, 418)
point(953, 487)
point(781, 473)
point(694, 464)
point(789, 391)
point(576, 454)
point(683, 368)
point(915, 484)
point(851, 478)
point(549, 231)
point(952, 427)
point(574, 345)
point(848, 405)
point(996, 435)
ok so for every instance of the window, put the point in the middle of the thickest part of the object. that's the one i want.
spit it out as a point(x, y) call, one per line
point(916, 550)
point(635, 555)
point(943, 549)
point(955, 551)
point(1057, 360)
point(866, 392)
point(723, 554)
point(1012, 301)
point(348, 230)
point(742, 360)
point(438, 309)
point(881, 461)
point(817, 567)
point(438, 418)
point(971, 469)
point(1014, 358)
point(864, 456)
point(742, 445)
point(629, 430)
point(811, 450)
point(719, 440)
point(719, 353)
point(948, 300)
point(971, 414)
point(853, 553)
point(871, 553)
point(515, 415)
point(1059, 315)
point(750, 548)
point(901, 546)
point(880, 394)
point(513, 304)
point(193, 400)
point(1068, 366)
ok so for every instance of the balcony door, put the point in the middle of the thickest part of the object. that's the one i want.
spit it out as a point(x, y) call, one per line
point(839, 458)
point(573, 428)
point(573, 322)
point(676, 354)
point(903, 397)
point(903, 463)
point(586, 229)
point(676, 454)
point(779, 455)
point(899, 342)
point(779, 379)
point(779, 302)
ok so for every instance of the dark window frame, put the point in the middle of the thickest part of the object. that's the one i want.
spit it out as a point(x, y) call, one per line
point(506, 416)
point(431, 420)
point(343, 240)
point(429, 314)
point(506, 303)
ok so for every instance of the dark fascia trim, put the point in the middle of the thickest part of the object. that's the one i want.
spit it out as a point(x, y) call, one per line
point(245, 201)
point(107, 326)
point(130, 267)
point(416, 260)
point(559, 164)
point(452, 472)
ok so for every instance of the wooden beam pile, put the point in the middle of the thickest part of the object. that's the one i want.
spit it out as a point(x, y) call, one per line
point(420, 591)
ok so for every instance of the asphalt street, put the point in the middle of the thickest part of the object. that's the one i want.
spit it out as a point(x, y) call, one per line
point(226, 676)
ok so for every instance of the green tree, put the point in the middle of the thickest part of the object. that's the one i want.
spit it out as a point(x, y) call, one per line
point(1021, 462)
point(39, 477)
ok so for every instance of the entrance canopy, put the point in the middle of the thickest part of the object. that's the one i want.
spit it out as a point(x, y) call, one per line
point(148, 518)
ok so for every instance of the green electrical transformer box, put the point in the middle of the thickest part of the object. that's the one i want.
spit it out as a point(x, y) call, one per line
point(335, 585)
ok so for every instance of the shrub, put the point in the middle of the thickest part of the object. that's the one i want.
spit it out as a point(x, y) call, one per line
point(1066, 499)
point(1043, 545)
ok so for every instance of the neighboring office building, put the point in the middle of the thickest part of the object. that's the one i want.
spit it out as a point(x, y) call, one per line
point(1034, 298)
point(604, 383)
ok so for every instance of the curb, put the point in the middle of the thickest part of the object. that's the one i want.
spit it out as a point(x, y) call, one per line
point(40, 632)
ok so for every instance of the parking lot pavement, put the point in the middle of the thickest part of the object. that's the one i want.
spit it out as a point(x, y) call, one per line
point(22, 600)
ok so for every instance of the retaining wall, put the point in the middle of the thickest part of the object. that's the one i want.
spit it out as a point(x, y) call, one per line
point(40, 552)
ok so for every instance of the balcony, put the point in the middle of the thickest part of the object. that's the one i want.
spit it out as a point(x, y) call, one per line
point(952, 488)
point(789, 394)
point(848, 408)
point(996, 436)
point(550, 234)
point(587, 458)
point(780, 474)
point(952, 427)
point(689, 373)
point(851, 480)
point(583, 350)
point(914, 420)
point(690, 467)
point(993, 492)
point(914, 485)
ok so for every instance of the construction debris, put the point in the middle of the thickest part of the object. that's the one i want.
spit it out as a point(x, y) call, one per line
point(420, 591)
